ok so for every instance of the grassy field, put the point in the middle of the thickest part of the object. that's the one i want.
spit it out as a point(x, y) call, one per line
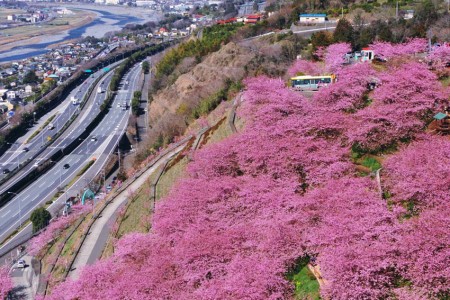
point(170, 177)
point(138, 211)
point(4, 12)
point(220, 133)
point(445, 81)
point(306, 285)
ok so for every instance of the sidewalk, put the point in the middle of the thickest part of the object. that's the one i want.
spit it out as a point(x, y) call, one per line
point(96, 239)
point(24, 281)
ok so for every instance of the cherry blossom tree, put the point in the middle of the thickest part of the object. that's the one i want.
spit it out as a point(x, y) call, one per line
point(425, 252)
point(6, 283)
point(55, 227)
point(401, 106)
point(285, 187)
point(388, 50)
point(419, 172)
point(305, 67)
point(352, 231)
point(350, 91)
point(439, 59)
point(334, 56)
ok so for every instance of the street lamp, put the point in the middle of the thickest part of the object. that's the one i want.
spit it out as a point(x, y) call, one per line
point(20, 208)
point(34, 117)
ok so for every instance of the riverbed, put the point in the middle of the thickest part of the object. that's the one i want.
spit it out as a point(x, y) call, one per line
point(108, 19)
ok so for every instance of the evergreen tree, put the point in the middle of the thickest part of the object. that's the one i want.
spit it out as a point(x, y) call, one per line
point(40, 218)
point(343, 31)
point(30, 77)
point(321, 39)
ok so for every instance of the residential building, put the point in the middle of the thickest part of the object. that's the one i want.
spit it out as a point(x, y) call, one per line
point(313, 18)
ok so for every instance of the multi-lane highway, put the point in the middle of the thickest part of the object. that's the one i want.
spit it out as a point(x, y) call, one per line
point(20, 153)
point(107, 134)
point(89, 112)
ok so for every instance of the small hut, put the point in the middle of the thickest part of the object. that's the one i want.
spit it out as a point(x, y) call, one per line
point(442, 122)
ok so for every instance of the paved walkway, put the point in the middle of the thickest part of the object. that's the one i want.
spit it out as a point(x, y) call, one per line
point(23, 280)
point(95, 241)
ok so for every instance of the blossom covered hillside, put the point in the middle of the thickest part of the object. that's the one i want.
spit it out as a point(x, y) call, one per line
point(286, 188)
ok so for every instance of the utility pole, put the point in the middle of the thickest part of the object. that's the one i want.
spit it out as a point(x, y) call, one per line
point(396, 11)
point(118, 154)
point(342, 12)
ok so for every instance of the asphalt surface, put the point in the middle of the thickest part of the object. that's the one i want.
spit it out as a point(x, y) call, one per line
point(23, 280)
point(107, 134)
point(22, 152)
point(88, 113)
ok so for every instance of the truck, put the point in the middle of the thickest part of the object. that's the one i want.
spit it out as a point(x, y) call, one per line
point(75, 100)
point(99, 90)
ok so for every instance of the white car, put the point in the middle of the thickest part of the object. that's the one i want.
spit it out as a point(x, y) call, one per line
point(21, 263)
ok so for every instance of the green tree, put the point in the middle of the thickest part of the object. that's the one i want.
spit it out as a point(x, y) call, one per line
point(426, 14)
point(40, 218)
point(135, 102)
point(343, 31)
point(145, 67)
point(30, 77)
point(321, 39)
point(365, 37)
point(47, 86)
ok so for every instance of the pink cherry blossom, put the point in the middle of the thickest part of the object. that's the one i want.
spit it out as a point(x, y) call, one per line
point(6, 283)
point(387, 50)
point(285, 186)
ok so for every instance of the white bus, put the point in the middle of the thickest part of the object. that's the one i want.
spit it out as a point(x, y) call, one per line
point(311, 83)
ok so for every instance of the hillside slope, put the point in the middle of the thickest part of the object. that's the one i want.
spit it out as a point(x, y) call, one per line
point(287, 189)
point(173, 106)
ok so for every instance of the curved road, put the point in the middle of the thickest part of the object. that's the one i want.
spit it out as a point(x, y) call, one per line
point(21, 152)
point(107, 133)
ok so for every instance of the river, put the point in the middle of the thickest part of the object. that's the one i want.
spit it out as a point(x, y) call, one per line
point(105, 22)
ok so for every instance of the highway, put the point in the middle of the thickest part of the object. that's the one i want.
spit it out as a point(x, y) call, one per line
point(89, 112)
point(107, 135)
point(21, 152)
